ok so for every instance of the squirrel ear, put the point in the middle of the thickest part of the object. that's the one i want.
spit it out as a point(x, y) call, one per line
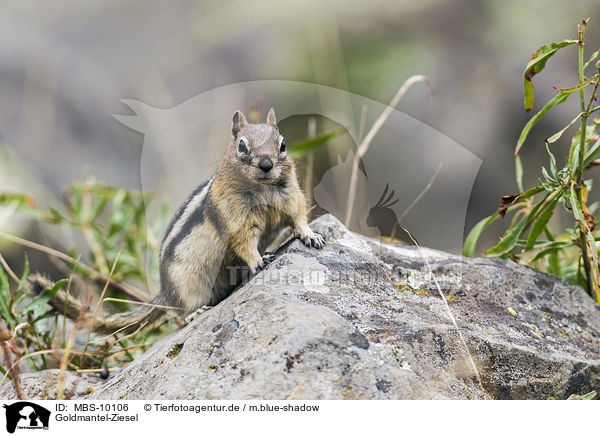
point(238, 122)
point(271, 118)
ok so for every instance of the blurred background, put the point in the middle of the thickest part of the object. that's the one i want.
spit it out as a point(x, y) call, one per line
point(66, 66)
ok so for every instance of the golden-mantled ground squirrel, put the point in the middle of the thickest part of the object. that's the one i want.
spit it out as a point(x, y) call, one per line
point(224, 226)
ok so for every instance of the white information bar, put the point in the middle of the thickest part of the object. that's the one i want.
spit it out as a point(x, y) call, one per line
point(284, 418)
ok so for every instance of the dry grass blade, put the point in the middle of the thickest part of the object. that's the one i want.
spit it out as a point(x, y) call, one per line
point(133, 292)
point(363, 120)
point(297, 389)
point(415, 201)
point(114, 333)
point(128, 349)
point(40, 352)
point(97, 370)
point(364, 145)
point(450, 314)
point(10, 272)
point(130, 335)
point(366, 142)
point(13, 369)
point(139, 303)
point(112, 271)
point(60, 391)
point(310, 161)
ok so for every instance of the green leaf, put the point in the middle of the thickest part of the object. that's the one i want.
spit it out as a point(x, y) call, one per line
point(4, 300)
point(519, 173)
point(541, 223)
point(475, 233)
point(38, 303)
point(552, 162)
point(590, 241)
point(510, 239)
point(529, 193)
point(557, 135)
point(536, 245)
point(590, 135)
point(536, 65)
point(300, 148)
point(552, 252)
point(591, 59)
point(21, 202)
point(76, 203)
point(19, 294)
point(98, 208)
point(55, 215)
point(576, 206)
point(48, 314)
point(576, 87)
point(588, 396)
point(558, 99)
point(547, 176)
point(574, 159)
point(552, 249)
point(591, 153)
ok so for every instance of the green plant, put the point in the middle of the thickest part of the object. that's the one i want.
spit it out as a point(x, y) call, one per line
point(305, 146)
point(589, 396)
point(572, 254)
point(112, 223)
point(27, 319)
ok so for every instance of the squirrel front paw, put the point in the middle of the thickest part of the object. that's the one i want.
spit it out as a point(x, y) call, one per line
point(262, 263)
point(312, 239)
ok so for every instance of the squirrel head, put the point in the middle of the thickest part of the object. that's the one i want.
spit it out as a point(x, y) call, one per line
point(259, 150)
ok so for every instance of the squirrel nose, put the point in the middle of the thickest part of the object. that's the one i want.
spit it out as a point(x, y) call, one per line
point(265, 164)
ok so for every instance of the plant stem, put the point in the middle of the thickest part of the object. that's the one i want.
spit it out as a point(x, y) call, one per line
point(366, 142)
point(310, 162)
point(584, 113)
point(591, 286)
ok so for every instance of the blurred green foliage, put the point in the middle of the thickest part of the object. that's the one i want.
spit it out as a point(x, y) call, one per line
point(113, 224)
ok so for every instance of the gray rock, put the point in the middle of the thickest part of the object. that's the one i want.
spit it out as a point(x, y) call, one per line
point(43, 385)
point(361, 319)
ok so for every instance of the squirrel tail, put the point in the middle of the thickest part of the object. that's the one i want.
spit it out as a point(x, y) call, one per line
point(143, 316)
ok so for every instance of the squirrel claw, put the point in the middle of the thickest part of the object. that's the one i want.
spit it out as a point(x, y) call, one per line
point(264, 261)
point(267, 259)
point(313, 240)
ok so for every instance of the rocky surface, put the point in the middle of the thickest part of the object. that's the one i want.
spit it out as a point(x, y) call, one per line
point(365, 320)
point(44, 385)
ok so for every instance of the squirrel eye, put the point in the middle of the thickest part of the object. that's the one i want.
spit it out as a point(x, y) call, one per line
point(282, 146)
point(242, 148)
